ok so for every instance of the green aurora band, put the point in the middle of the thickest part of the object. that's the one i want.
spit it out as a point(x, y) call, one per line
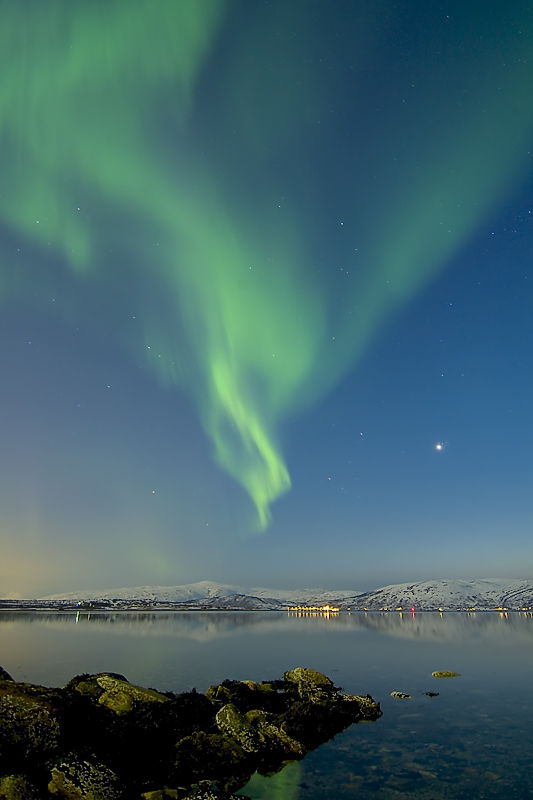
point(142, 165)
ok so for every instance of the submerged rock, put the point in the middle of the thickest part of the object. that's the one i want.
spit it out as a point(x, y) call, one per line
point(103, 738)
point(444, 673)
point(204, 791)
point(401, 696)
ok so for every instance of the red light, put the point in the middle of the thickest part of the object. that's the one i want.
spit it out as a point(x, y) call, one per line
point(412, 608)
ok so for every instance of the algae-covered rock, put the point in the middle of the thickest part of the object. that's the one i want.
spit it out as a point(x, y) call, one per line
point(401, 696)
point(204, 791)
point(214, 757)
point(231, 722)
point(114, 691)
point(17, 787)
point(29, 726)
point(278, 744)
point(103, 737)
point(247, 695)
point(444, 673)
point(119, 702)
point(357, 708)
point(311, 685)
point(138, 693)
point(76, 778)
point(313, 723)
point(87, 684)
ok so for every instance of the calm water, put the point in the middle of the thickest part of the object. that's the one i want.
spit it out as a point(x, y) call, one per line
point(475, 740)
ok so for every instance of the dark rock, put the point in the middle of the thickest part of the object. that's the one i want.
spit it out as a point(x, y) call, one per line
point(203, 791)
point(17, 787)
point(115, 691)
point(320, 712)
point(277, 748)
point(29, 726)
point(230, 721)
point(5, 676)
point(312, 685)
point(76, 778)
point(247, 695)
point(215, 757)
point(130, 740)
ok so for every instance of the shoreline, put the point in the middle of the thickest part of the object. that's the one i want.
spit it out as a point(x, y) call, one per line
point(125, 606)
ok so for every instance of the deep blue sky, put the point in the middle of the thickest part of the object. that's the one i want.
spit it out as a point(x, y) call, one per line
point(350, 137)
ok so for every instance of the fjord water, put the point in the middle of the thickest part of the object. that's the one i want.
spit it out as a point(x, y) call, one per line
point(473, 740)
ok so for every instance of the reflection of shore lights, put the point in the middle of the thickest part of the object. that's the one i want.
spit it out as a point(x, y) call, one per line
point(314, 610)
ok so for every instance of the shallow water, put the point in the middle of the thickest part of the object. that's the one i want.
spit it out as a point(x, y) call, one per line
point(474, 740)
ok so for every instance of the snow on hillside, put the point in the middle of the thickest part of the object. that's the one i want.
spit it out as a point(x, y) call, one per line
point(448, 595)
point(206, 590)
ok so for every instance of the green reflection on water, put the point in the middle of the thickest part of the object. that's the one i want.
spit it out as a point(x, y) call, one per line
point(285, 785)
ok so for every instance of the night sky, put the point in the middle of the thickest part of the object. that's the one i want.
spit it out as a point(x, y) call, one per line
point(266, 292)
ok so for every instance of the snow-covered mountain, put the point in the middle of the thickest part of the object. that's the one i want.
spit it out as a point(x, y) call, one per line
point(448, 595)
point(208, 593)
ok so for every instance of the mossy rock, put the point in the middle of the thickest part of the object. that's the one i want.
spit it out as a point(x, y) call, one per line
point(75, 778)
point(273, 737)
point(204, 791)
point(247, 695)
point(309, 676)
point(231, 722)
point(357, 708)
point(103, 738)
point(444, 673)
point(17, 787)
point(160, 794)
point(114, 691)
point(87, 684)
point(29, 726)
point(213, 757)
point(311, 685)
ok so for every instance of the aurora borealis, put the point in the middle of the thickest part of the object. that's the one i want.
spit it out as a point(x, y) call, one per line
point(214, 216)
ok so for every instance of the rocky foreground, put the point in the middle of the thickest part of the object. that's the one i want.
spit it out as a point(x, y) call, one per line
point(103, 738)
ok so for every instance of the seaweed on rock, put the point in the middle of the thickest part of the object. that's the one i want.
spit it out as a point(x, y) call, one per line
point(103, 738)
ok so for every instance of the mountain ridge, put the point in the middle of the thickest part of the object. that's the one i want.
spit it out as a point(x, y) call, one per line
point(448, 595)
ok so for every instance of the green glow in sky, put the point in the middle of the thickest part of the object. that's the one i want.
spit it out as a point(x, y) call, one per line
point(153, 173)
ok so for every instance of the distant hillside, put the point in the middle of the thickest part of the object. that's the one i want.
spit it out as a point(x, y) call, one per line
point(210, 594)
point(447, 595)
